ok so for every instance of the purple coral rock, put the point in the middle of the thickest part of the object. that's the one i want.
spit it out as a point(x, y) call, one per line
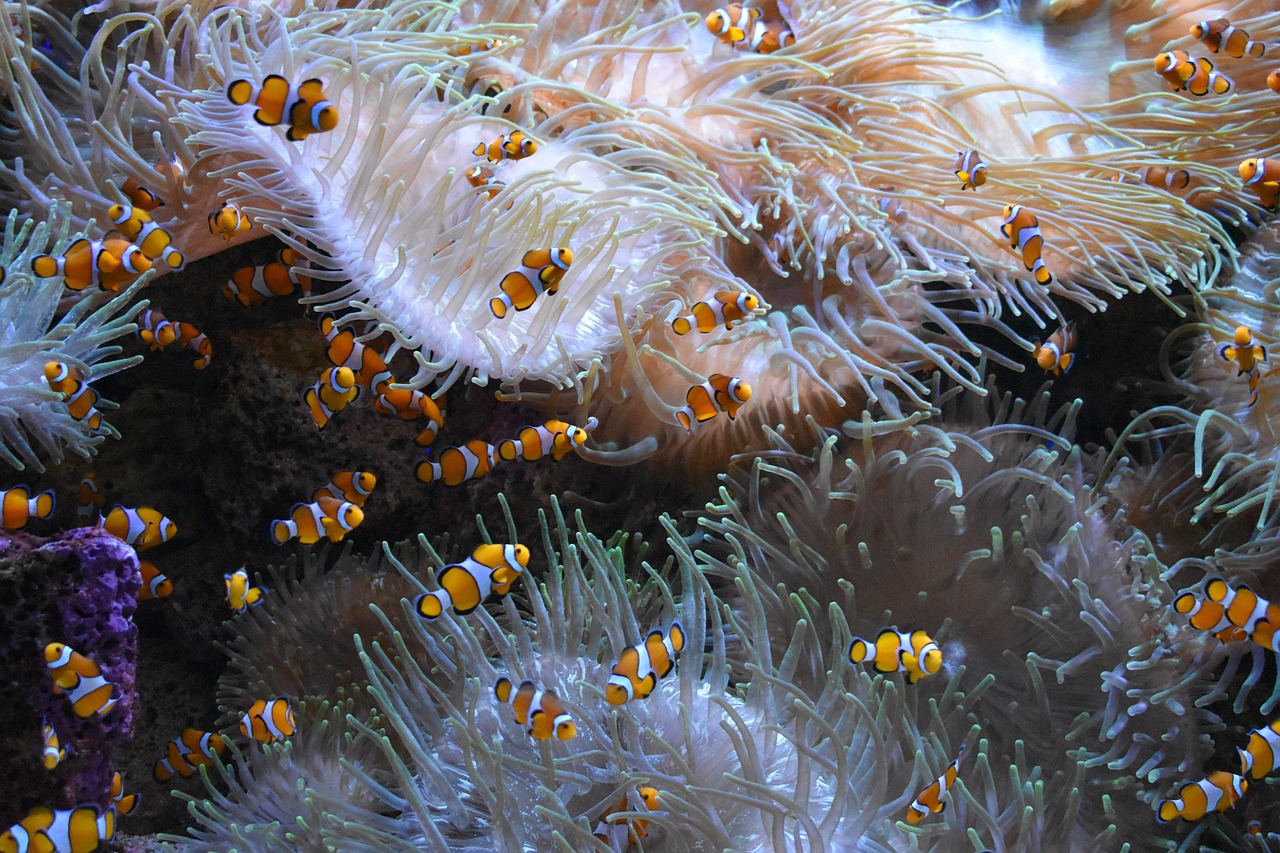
point(79, 587)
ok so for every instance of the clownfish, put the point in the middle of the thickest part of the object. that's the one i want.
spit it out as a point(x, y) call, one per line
point(63, 378)
point(227, 221)
point(929, 801)
point(517, 146)
point(1163, 176)
point(731, 24)
point(610, 826)
point(769, 37)
point(19, 504)
point(110, 264)
point(1273, 81)
point(1260, 170)
point(970, 169)
point(156, 330)
point(80, 679)
point(1055, 355)
point(1216, 793)
point(410, 404)
point(310, 522)
point(481, 177)
point(52, 752)
point(344, 350)
point(268, 720)
point(719, 393)
point(139, 228)
point(1249, 614)
point(1196, 76)
point(1208, 612)
point(304, 108)
point(1219, 34)
point(187, 753)
point(251, 285)
point(240, 595)
point(121, 803)
point(471, 461)
point(1247, 356)
point(142, 528)
point(638, 669)
point(1022, 229)
point(89, 498)
point(554, 438)
point(490, 570)
point(330, 395)
point(154, 583)
point(540, 272)
point(541, 710)
point(81, 406)
point(143, 198)
point(1261, 757)
point(194, 339)
point(353, 486)
point(726, 308)
point(78, 830)
point(897, 651)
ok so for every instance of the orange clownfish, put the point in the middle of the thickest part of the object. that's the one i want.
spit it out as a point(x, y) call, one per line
point(78, 830)
point(490, 570)
point(638, 669)
point(481, 177)
point(541, 710)
point(310, 522)
point(769, 37)
point(121, 803)
point(52, 752)
point(304, 108)
point(19, 504)
point(1263, 174)
point(1022, 229)
point(1219, 34)
point(154, 583)
point(143, 198)
point(733, 23)
point(80, 679)
point(1162, 176)
point(1273, 81)
point(897, 651)
point(471, 461)
point(1208, 610)
point(517, 146)
point(251, 285)
point(89, 498)
point(353, 486)
point(1261, 758)
point(726, 308)
point(63, 378)
point(268, 720)
point(1055, 355)
point(554, 438)
point(138, 227)
point(1197, 76)
point(409, 404)
point(929, 801)
point(142, 528)
point(540, 272)
point(110, 264)
point(610, 826)
point(1216, 793)
point(240, 594)
point(227, 221)
point(156, 330)
point(1249, 614)
point(1247, 357)
point(194, 339)
point(719, 393)
point(335, 388)
point(344, 350)
point(187, 753)
point(970, 169)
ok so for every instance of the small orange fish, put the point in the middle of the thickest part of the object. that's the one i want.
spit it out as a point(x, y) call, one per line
point(472, 460)
point(227, 221)
point(80, 679)
point(1055, 355)
point(1196, 76)
point(970, 169)
point(305, 108)
point(1219, 34)
point(929, 801)
point(1022, 229)
point(1247, 356)
point(1216, 793)
point(540, 709)
point(540, 272)
point(19, 505)
point(110, 264)
point(720, 393)
point(269, 720)
point(517, 146)
point(733, 23)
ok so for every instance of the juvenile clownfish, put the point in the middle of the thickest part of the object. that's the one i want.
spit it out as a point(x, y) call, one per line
point(541, 710)
point(1261, 758)
point(769, 37)
point(304, 108)
point(1216, 793)
point(1055, 355)
point(638, 669)
point(155, 330)
point(344, 350)
point(726, 308)
point(897, 651)
point(540, 272)
point(929, 801)
point(1022, 229)
point(194, 339)
point(471, 461)
point(122, 804)
point(554, 438)
point(153, 241)
point(52, 752)
point(1163, 176)
point(1219, 34)
point(1247, 356)
point(310, 522)
point(110, 264)
point(78, 830)
point(330, 395)
point(490, 570)
point(154, 583)
point(1249, 614)
point(1208, 612)
point(143, 198)
point(227, 221)
point(517, 146)
point(610, 826)
point(89, 498)
point(80, 679)
point(269, 720)
point(353, 486)
point(142, 528)
point(719, 393)
point(732, 24)
point(187, 753)
point(1197, 76)
point(19, 504)
point(481, 177)
point(251, 285)
point(82, 407)
point(63, 378)
point(409, 404)
point(970, 169)
point(240, 595)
